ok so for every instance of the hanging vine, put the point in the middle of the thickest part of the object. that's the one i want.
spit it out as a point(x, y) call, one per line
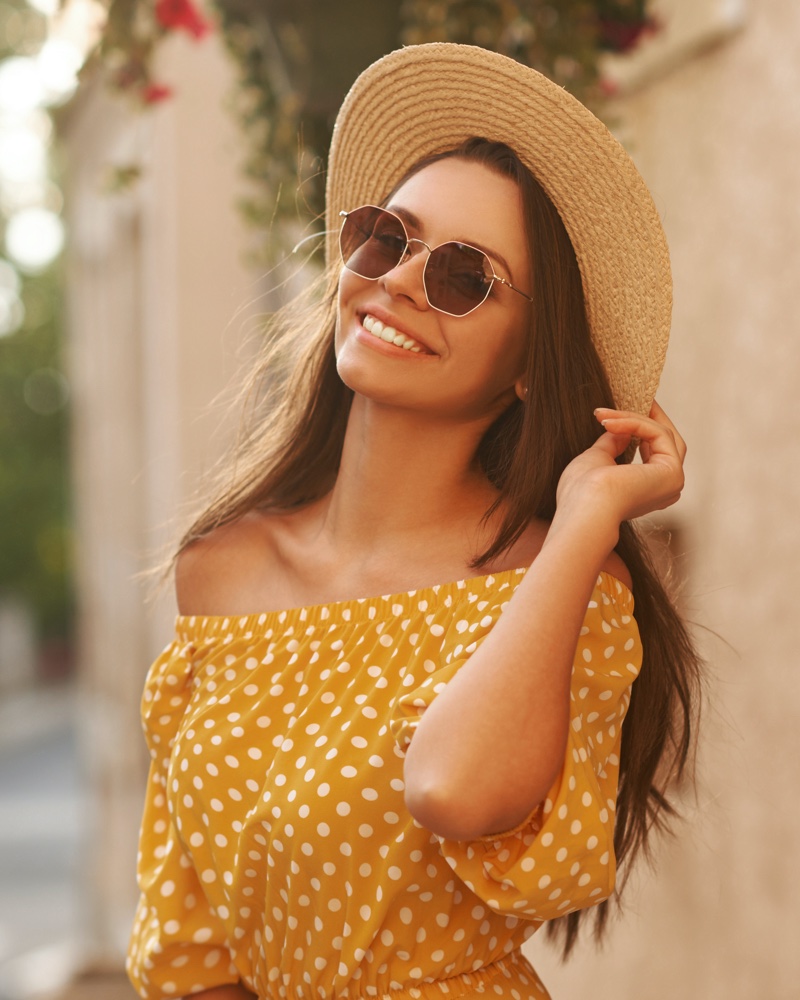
point(297, 58)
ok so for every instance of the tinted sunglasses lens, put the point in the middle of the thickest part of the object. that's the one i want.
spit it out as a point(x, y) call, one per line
point(456, 280)
point(372, 242)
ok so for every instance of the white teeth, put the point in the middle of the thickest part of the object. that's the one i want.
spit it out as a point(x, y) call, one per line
point(389, 334)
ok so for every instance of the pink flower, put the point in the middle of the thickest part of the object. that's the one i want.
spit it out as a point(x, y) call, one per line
point(183, 15)
point(155, 92)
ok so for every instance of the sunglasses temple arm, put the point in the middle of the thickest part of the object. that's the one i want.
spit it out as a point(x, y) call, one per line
point(313, 236)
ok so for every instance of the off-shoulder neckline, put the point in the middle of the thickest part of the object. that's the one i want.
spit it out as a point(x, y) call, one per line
point(355, 609)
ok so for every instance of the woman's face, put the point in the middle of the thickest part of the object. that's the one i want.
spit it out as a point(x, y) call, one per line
point(469, 367)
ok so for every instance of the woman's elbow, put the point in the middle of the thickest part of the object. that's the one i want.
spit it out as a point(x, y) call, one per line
point(450, 815)
point(464, 814)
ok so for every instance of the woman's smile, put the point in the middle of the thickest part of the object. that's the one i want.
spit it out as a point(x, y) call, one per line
point(390, 335)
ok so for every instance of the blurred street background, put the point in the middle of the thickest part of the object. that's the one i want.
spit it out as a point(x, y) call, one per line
point(158, 159)
point(42, 805)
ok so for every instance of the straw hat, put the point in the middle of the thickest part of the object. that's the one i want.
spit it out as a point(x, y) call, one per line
point(425, 99)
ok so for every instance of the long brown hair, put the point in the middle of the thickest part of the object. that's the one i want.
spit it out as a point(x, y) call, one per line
point(290, 454)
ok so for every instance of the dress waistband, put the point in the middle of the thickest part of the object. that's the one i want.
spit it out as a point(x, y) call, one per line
point(511, 977)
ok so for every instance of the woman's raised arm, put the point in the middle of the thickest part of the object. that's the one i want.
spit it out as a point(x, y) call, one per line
point(489, 747)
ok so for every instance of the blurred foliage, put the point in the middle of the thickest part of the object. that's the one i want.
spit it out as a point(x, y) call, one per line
point(34, 482)
point(559, 39)
point(22, 29)
point(35, 547)
point(622, 23)
point(297, 58)
point(133, 30)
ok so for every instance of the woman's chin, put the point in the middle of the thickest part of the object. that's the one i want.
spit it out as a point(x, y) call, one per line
point(364, 381)
point(367, 374)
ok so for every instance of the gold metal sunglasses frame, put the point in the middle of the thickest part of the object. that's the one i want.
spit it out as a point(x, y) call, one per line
point(405, 255)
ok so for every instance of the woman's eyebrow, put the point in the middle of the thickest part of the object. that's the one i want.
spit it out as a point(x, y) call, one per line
point(413, 222)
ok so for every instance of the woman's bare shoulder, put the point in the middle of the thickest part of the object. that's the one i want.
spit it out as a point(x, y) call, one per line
point(615, 566)
point(215, 574)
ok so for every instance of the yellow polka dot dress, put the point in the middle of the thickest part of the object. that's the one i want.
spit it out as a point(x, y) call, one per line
point(276, 849)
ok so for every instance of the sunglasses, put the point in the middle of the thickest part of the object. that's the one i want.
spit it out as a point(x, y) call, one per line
point(457, 277)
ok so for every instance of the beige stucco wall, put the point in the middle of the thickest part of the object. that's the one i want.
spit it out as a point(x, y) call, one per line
point(157, 280)
point(718, 140)
point(160, 305)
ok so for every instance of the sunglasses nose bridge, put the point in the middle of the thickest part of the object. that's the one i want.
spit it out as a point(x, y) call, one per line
point(411, 253)
point(410, 281)
point(408, 253)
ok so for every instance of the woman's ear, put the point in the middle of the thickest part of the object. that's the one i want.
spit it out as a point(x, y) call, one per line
point(521, 389)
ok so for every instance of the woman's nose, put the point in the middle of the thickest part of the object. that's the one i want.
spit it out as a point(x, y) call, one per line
point(406, 278)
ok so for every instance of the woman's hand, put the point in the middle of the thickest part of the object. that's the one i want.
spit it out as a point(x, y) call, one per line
point(622, 492)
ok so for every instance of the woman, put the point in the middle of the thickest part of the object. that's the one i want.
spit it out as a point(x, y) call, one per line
point(356, 795)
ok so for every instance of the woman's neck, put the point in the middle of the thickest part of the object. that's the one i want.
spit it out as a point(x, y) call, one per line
point(402, 477)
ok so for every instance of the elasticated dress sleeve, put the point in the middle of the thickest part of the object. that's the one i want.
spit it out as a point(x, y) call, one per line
point(178, 944)
point(561, 858)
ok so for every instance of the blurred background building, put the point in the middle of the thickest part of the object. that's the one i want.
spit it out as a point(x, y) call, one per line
point(122, 347)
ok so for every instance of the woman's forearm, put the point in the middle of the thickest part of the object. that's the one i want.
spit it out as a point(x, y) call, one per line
point(489, 747)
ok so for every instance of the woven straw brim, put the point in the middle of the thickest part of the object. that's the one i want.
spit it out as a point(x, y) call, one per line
point(425, 99)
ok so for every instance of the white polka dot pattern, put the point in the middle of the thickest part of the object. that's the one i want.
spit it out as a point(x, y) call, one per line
point(275, 846)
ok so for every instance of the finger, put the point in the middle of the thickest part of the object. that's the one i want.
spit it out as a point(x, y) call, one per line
point(658, 414)
point(612, 444)
point(657, 419)
point(603, 414)
point(658, 438)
